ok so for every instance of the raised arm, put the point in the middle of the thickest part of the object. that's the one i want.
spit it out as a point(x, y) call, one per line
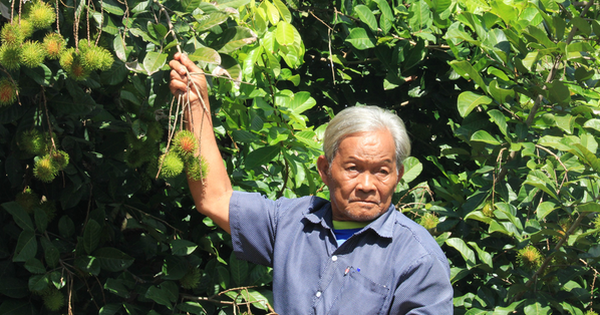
point(212, 197)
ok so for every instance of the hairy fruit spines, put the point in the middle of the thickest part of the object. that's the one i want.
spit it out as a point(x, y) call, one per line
point(70, 61)
point(530, 257)
point(54, 44)
point(191, 279)
point(185, 143)
point(429, 221)
point(60, 159)
point(32, 54)
point(8, 92)
point(41, 15)
point(44, 169)
point(10, 56)
point(12, 34)
point(28, 199)
point(171, 165)
point(53, 299)
point(32, 141)
point(196, 168)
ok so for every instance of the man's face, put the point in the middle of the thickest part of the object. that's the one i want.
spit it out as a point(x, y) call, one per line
point(362, 176)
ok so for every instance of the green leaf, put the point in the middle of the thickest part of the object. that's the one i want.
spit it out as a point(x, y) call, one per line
point(499, 119)
point(208, 21)
point(181, 247)
point(174, 267)
point(589, 207)
point(239, 270)
point(467, 101)
point(283, 10)
point(386, 11)
point(154, 61)
point(261, 156)
point(112, 259)
point(421, 17)
point(207, 55)
point(464, 250)
point(467, 71)
point(235, 38)
point(91, 236)
point(536, 309)
point(284, 33)
point(301, 102)
point(544, 209)
point(558, 93)
point(582, 25)
point(13, 287)
point(66, 227)
point(539, 180)
point(256, 298)
point(165, 293)
point(22, 219)
point(272, 13)
point(17, 307)
point(499, 94)
point(112, 7)
point(412, 169)
point(51, 253)
point(110, 309)
point(484, 136)
point(232, 3)
point(484, 256)
point(38, 283)
point(35, 266)
point(366, 16)
point(223, 277)
point(189, 5)
point(26, 246)
point(593, 123)
point(116, 287)
point(360, 39)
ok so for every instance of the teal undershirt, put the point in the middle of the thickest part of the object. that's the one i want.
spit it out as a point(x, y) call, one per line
point(344, 229)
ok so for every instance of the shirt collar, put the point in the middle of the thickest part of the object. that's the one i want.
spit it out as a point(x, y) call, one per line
point(383, 226)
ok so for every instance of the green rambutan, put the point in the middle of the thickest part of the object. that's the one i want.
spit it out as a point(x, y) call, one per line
point(60, 159)
point(10, 56)
point(171, 165)
point(196, 168)
point(32, 54)
point(32, 141)
point(53, 299)
point(155, 131)
point(28, 199)
point(12, 34)
point(191, 279)
point(41, 15)
point(94, 57)
point(70, 61)
point(44, 169)
point(54, 45)
point(185, 143)
point(530, 258)
point(8, 92)
point(429, 221)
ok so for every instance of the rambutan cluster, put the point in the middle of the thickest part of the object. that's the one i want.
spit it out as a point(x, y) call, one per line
point(48, 160)
point(15, 50)
point(183, 157)
point(8, 91)
point(29, 200)
point(191, 279)
point(80, 63)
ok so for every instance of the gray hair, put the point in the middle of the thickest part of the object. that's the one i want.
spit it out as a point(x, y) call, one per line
point(364, 119)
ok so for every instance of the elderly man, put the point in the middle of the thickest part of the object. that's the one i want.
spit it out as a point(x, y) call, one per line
point(354, 254)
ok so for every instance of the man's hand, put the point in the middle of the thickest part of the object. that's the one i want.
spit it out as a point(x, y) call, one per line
point(182, 69)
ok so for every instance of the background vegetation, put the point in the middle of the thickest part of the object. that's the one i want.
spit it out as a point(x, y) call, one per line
point(500, 99)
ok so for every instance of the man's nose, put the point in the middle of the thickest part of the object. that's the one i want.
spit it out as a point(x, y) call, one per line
point(366, 182)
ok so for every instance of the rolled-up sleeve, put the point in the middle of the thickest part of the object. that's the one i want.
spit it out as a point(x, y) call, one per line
point(252, 219)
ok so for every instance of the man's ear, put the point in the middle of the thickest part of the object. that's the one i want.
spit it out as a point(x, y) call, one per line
point(323, 167)
point(400, 174)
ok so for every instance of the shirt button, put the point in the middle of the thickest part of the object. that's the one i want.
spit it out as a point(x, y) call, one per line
point(334, 258)
point(318, 294)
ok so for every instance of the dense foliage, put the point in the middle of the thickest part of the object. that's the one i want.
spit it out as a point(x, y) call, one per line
point(500, 99)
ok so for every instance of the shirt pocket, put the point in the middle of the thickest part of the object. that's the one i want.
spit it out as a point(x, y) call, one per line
point(359, 295)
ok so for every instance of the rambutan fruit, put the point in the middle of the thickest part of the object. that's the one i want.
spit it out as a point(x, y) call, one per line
point(185, 143)
point(8, 92)
point(429, 221)
point(54, 45)
point(28, 199)
point(71, 63)
point(32, 141)
point(53, 299)
point(155, 131)
point(10, 56)
point(49, 207)
point(32, 54)
point(94, 57)
point(530, 258)
point(191, 279)
point(171, 165)
point(41, 15)
point(488, 210)
point(11, 34)
point(196, 168)
point(44, 169)
point(60, 159)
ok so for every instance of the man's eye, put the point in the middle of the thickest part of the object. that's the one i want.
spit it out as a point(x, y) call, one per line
point(384, 171)
point(351, 168)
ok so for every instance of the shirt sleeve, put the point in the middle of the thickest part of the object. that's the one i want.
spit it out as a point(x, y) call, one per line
point(431, 294)
point(252, 219)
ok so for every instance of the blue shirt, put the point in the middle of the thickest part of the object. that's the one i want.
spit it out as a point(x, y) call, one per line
point(391, 266)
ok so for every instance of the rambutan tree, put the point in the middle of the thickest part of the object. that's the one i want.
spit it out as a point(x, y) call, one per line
point(500, 99)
